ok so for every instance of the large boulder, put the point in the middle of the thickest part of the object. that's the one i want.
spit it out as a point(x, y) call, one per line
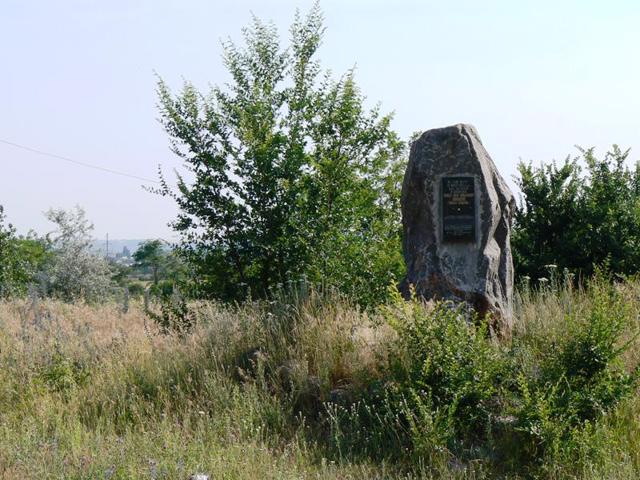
point(456, 216)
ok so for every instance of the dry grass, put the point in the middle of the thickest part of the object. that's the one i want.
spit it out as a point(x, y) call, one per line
point(92, 392)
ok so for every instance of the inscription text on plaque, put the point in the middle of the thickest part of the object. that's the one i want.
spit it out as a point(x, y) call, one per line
point(458, 209)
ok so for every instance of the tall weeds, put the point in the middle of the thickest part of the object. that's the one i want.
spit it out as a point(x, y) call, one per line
point(308, 385)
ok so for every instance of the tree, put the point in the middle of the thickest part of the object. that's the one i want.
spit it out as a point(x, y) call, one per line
point(20, 259)
point(10, 269)
point(74, 272)
point(150, 254)
point(289, 174)
point(576, 221)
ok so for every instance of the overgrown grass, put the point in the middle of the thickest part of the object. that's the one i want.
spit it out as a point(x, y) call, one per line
point(309, 386)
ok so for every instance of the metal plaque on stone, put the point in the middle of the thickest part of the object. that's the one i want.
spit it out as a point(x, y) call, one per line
point(458, 209)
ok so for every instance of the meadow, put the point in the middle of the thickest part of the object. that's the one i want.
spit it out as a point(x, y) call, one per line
point(307, 385)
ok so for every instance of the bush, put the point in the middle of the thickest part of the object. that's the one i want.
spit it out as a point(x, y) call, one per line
point(62, 374)
point(136, 289)
point(450, 365)
point(577, 378)
point(74, 272)
point(454, 392)
point(20, 259)
point(577, 221)
point(175, 315)
point(443, 386)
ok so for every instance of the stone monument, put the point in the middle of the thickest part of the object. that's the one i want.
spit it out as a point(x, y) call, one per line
point(456, 217)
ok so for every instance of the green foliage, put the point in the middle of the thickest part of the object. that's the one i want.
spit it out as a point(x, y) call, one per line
point(73, 271)
point(136, 289)
point(7, 254)
point(289, 174)
point(62, 373)
point(449, 364)
point(151, 255)
point(453, 391)
point(576, 221)
point(20, 259)
point(174, 314)
point(155, 259)
point(444, 386)
point(579, 377)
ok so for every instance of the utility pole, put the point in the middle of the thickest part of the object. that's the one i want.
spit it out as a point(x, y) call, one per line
point(107, 255)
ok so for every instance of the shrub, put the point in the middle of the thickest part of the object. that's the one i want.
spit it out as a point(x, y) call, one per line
point(74, 272)
point(175, 315)
point(62, 373)
point(448, 376)
point(136, 289)
point(20, 259)
point(451, 391)
point(576, 221)
point(577, 378)
point(449, 364)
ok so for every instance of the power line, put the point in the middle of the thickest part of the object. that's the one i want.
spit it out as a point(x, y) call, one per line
point(70, 160)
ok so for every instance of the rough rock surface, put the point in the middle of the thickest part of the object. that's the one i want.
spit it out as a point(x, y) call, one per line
point(479, 269)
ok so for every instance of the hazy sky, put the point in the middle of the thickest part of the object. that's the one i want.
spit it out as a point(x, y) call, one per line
point(77, 79)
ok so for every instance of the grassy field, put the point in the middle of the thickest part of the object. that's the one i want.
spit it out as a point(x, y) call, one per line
point(292, 389)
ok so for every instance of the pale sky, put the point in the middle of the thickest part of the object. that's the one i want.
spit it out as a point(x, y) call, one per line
point(77, 80)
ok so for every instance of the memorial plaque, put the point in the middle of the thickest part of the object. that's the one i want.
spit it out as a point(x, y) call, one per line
point(458, 209)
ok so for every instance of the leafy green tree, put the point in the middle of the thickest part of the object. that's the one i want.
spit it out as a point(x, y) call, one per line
point(167, 268)
point(9, 268)
point(151, 255)
point(575, 220)
point(34, 253)
point(289, 175)
point(20, 259)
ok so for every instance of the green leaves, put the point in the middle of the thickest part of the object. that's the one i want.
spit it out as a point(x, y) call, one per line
point(579, 377)
point(9, 269)
point(289, 173)
point(450, 363)
point(20, 259)
point(520, 404)
point(151, 255)
point(577, 221)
